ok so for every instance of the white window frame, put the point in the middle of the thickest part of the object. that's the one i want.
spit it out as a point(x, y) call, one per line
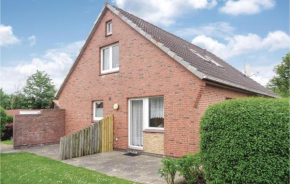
point(108, 26)
point(145, 119)
point(129, 123)
point(94, 109)
point(146, 122)
point(147, 115)
point(110, 70)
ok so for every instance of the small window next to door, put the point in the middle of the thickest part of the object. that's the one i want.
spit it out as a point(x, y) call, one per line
point(98, 110)
point(156, 112)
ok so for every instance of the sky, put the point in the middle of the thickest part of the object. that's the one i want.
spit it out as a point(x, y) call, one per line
point(47, 35)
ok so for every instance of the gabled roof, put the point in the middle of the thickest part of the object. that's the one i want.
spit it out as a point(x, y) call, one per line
point(200, 62)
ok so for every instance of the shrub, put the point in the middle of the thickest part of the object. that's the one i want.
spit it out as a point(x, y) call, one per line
point(189, 166)
point(168, 170)
point(3, 120)
point(9, 119)
point(246, 141)
point(8, 132)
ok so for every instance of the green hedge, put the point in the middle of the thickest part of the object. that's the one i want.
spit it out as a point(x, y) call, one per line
point(246, 141)
point(3, 120)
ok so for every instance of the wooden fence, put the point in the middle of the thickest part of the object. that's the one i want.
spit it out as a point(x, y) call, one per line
point(96, 138)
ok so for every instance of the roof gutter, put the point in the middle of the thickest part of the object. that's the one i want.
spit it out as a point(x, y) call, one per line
point(238, 86)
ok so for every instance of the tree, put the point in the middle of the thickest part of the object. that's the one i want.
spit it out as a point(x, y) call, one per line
point(18, 101)
point(4, 99)
point(39, 90)
point(280, 83)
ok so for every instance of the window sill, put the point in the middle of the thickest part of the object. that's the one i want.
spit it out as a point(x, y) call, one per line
point(108, 34)
point(154, 130)
point(110, 72)
point(95, 121)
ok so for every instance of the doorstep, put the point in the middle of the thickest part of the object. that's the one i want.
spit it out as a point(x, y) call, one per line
point(139, 152)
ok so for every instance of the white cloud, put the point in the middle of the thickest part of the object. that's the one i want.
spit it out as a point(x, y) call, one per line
point(6, 36)
point(163, 12)
point(241, 44)
point(263, 74)
point(277, 40)
point(55, 62)
point(32, 40)
point(217, 29)
point(246, 7)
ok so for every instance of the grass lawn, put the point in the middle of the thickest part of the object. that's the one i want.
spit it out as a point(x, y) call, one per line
point(31, 168)
point(9, 142)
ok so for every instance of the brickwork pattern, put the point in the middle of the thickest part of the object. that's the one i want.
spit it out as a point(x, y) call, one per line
point(37, 129)
point(211, 95)
point(145, 71)
point(153, 143)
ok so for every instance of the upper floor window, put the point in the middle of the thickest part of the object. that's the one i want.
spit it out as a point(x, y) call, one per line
point(110, 59)
point(109, 27)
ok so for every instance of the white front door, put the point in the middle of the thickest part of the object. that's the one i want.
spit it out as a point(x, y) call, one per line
point(136, 115)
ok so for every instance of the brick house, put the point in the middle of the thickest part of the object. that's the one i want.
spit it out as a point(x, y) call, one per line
point(156, 84)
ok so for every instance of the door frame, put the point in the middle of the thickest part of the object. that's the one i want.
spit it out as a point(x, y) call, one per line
point(145, 118)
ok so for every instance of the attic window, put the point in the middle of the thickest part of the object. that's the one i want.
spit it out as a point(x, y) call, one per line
point(198, 54)
point(213, 61)
point(206, 58)
point(109, 27)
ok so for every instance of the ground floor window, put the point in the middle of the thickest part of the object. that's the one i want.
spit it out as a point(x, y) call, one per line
point(98, 110)
point(156, 112)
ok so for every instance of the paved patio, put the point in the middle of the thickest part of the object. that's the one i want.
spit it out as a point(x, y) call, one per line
point(139, 168)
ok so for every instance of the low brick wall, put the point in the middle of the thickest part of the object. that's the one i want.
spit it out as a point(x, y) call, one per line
point(38, 129)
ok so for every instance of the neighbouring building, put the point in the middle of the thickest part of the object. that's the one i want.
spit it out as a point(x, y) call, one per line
point(156, 85)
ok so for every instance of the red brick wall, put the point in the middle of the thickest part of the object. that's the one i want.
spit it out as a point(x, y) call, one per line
point(145, 71)
point(211, 95)
point(36, 129)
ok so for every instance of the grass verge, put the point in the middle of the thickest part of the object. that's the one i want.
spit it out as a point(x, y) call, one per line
point(9, 142)
point(30, 168)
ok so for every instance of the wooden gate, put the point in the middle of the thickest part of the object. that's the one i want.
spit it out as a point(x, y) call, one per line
point(97, 138)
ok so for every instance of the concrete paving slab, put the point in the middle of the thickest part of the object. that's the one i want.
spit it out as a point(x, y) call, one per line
point(139, 168)
point(4, 148)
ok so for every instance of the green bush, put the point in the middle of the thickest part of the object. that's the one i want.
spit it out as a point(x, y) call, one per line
point(168, 170)
point(3, 120)
point(246, 141)
point(9, 119)
point(190, 167)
